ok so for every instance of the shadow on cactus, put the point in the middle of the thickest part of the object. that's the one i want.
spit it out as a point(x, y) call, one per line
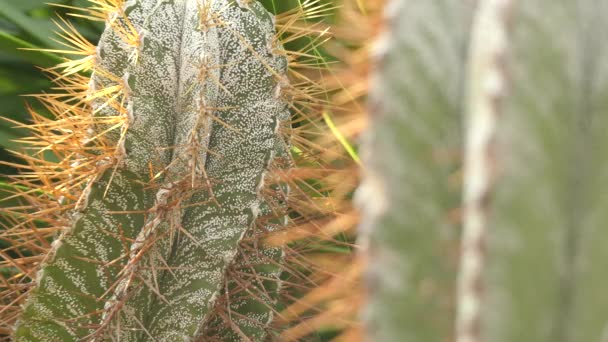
point(181, 178)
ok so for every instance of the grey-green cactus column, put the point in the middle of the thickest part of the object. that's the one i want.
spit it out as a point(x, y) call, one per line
point(201, 85)
point(533, 204)
point(546, 276)
point(412, 160)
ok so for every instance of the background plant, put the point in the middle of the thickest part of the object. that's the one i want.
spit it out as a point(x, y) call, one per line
point(496, 110)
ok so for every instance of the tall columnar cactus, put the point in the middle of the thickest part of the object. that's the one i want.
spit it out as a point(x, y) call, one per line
point(509, 110)
point(196, 89)
point(407, 201)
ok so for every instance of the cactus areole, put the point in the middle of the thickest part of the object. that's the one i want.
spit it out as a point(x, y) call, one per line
point(199, 85)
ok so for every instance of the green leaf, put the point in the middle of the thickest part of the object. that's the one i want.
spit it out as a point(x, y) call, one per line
point(37, 29)
point(8, 135)
point(28, 5)
point(15, 46)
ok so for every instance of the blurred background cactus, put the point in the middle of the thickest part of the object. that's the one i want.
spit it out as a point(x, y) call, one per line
point(488, 227)
point(412, 238)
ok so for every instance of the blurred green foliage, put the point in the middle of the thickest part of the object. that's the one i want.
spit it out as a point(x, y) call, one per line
point(28, 24)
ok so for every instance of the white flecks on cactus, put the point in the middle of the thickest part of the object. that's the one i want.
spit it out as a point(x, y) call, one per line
point(200, 94)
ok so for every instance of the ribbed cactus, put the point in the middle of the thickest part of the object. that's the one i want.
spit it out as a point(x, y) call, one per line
point(199, 87)
point(250, 300)
point(407, 201)
point(488, 133)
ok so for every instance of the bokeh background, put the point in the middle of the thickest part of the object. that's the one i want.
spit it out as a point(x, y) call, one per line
point(31, 24)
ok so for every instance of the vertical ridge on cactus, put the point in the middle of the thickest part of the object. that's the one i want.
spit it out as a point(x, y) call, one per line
point(251, 301)
point(487, 87)
point(75, 276)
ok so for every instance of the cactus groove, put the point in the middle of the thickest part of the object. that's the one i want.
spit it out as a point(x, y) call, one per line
point(199, 84)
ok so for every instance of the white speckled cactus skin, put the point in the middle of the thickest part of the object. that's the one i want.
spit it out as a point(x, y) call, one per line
point(146, 255)
point(251, 302)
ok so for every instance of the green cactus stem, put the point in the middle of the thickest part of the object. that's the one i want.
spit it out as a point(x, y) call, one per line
point(201, 85)
point(253, 282)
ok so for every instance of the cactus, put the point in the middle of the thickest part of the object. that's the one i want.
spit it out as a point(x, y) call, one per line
point(250, 300)
point(518, 86)
point(411, 238)
point(545, 274)
point(196, 89)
